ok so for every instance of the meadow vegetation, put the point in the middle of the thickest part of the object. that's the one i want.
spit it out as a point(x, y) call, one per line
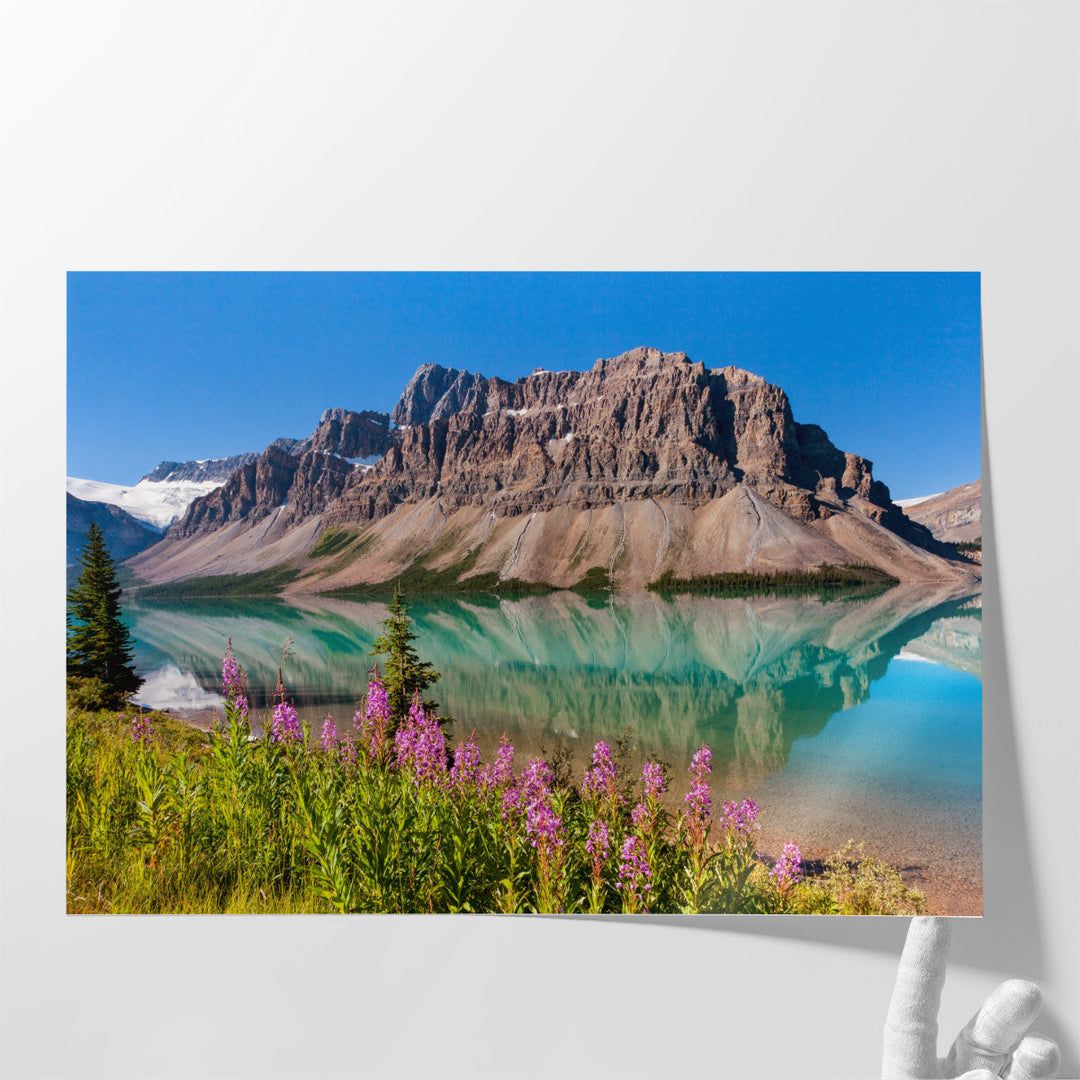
point(387, 817)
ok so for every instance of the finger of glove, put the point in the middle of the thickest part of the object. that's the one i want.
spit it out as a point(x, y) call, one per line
point(911, 1024)
point(1036, 1058)
point(991, 1035)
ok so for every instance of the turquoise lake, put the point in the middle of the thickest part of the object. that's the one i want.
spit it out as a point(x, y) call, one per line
point(844, 719)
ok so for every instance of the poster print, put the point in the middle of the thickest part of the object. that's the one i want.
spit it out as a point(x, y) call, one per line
point(388, 595)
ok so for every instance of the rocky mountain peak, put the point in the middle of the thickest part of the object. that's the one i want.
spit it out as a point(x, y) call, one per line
point(349, 434)
point(646, 462)
point(433, 393)
point(211, 469)
point(642, 425)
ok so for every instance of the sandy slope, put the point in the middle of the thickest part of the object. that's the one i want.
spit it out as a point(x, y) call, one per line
point(635, 541)
point(952, 516)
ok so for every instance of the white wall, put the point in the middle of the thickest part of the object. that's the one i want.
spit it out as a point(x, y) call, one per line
point(543, 136)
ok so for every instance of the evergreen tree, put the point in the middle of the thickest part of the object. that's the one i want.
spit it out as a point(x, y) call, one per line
point(98, 644)
point(404, 673)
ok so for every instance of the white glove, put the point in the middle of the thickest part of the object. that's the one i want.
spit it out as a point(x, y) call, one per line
point(994, 1043)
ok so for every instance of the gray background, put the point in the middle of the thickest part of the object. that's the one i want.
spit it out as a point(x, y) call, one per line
point(543, 136)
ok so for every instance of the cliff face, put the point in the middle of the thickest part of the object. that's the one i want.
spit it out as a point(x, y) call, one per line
point(643, 425)
point(433, 393)
point(219, 469)
point(953, 516)
point(349, 434)
point(301, 476)
point(645, 464)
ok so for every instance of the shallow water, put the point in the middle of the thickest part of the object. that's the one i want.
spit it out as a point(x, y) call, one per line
point(843, 719)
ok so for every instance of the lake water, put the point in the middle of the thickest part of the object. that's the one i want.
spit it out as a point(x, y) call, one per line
point(847, 719)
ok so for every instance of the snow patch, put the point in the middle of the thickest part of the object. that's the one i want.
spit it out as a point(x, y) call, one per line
point(364, 463)
point(155, 502)
point(917, 500)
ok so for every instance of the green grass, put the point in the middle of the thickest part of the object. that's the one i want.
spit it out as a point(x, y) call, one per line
point(968, 545)
point(331, 542)
point(263, 583)
point(595, 579)
point(220, 822)
point(825, 578)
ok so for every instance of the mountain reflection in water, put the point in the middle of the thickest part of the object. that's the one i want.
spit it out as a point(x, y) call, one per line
point(748, 676)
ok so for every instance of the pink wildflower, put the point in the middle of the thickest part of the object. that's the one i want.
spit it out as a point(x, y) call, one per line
point(601, 778)
point(285, 724)
point(635, 874)
point(329, 739)
point(788, 868)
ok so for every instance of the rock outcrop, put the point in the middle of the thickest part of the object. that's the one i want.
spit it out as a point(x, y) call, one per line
point(124, 534)
point(217, 469)
point(433, 393)
point(953, 516)
point(648, 463)
point(348, 434)
point(301, 476)
point(643, 425)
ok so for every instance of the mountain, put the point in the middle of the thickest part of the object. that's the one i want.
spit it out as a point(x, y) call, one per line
point(294, 480)
point(433, 393)
point(952, 516)
point(646, 463)
point(215, 470)
point(165, 492)
point(124, 534)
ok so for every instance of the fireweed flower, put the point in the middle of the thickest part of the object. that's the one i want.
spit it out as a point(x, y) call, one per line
point(543, 826)
point(699, 797)
point(788, 868)
point(601, 777)
point(466, 767)
point(510, 803)
point(641, 817)
point(419, 744)
point(142, 731)
point(536, 781)
point(652, 778)
point(285, 724)
point(375, 722)
point(231, 675)
point(701, 762)
point(347, 749)
point(635, 874)
point(329, 737)
point(741, 818)
point(500, 773)
point(531, 790)
point(232, 678)
point(598, 842)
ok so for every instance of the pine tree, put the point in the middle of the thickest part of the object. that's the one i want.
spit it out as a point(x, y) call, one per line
point(404, 674)
point(98, 644)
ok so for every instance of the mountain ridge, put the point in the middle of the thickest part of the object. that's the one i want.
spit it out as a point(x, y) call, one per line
point(644, 463)
point(953, 516)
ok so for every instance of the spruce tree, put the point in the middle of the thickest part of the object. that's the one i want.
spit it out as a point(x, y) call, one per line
point(98, 644)
point(404, 673)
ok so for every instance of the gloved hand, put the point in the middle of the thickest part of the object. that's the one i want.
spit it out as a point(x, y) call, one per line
point(994, 1043)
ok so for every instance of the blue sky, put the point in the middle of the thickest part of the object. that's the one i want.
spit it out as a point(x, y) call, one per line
point(178, 366)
